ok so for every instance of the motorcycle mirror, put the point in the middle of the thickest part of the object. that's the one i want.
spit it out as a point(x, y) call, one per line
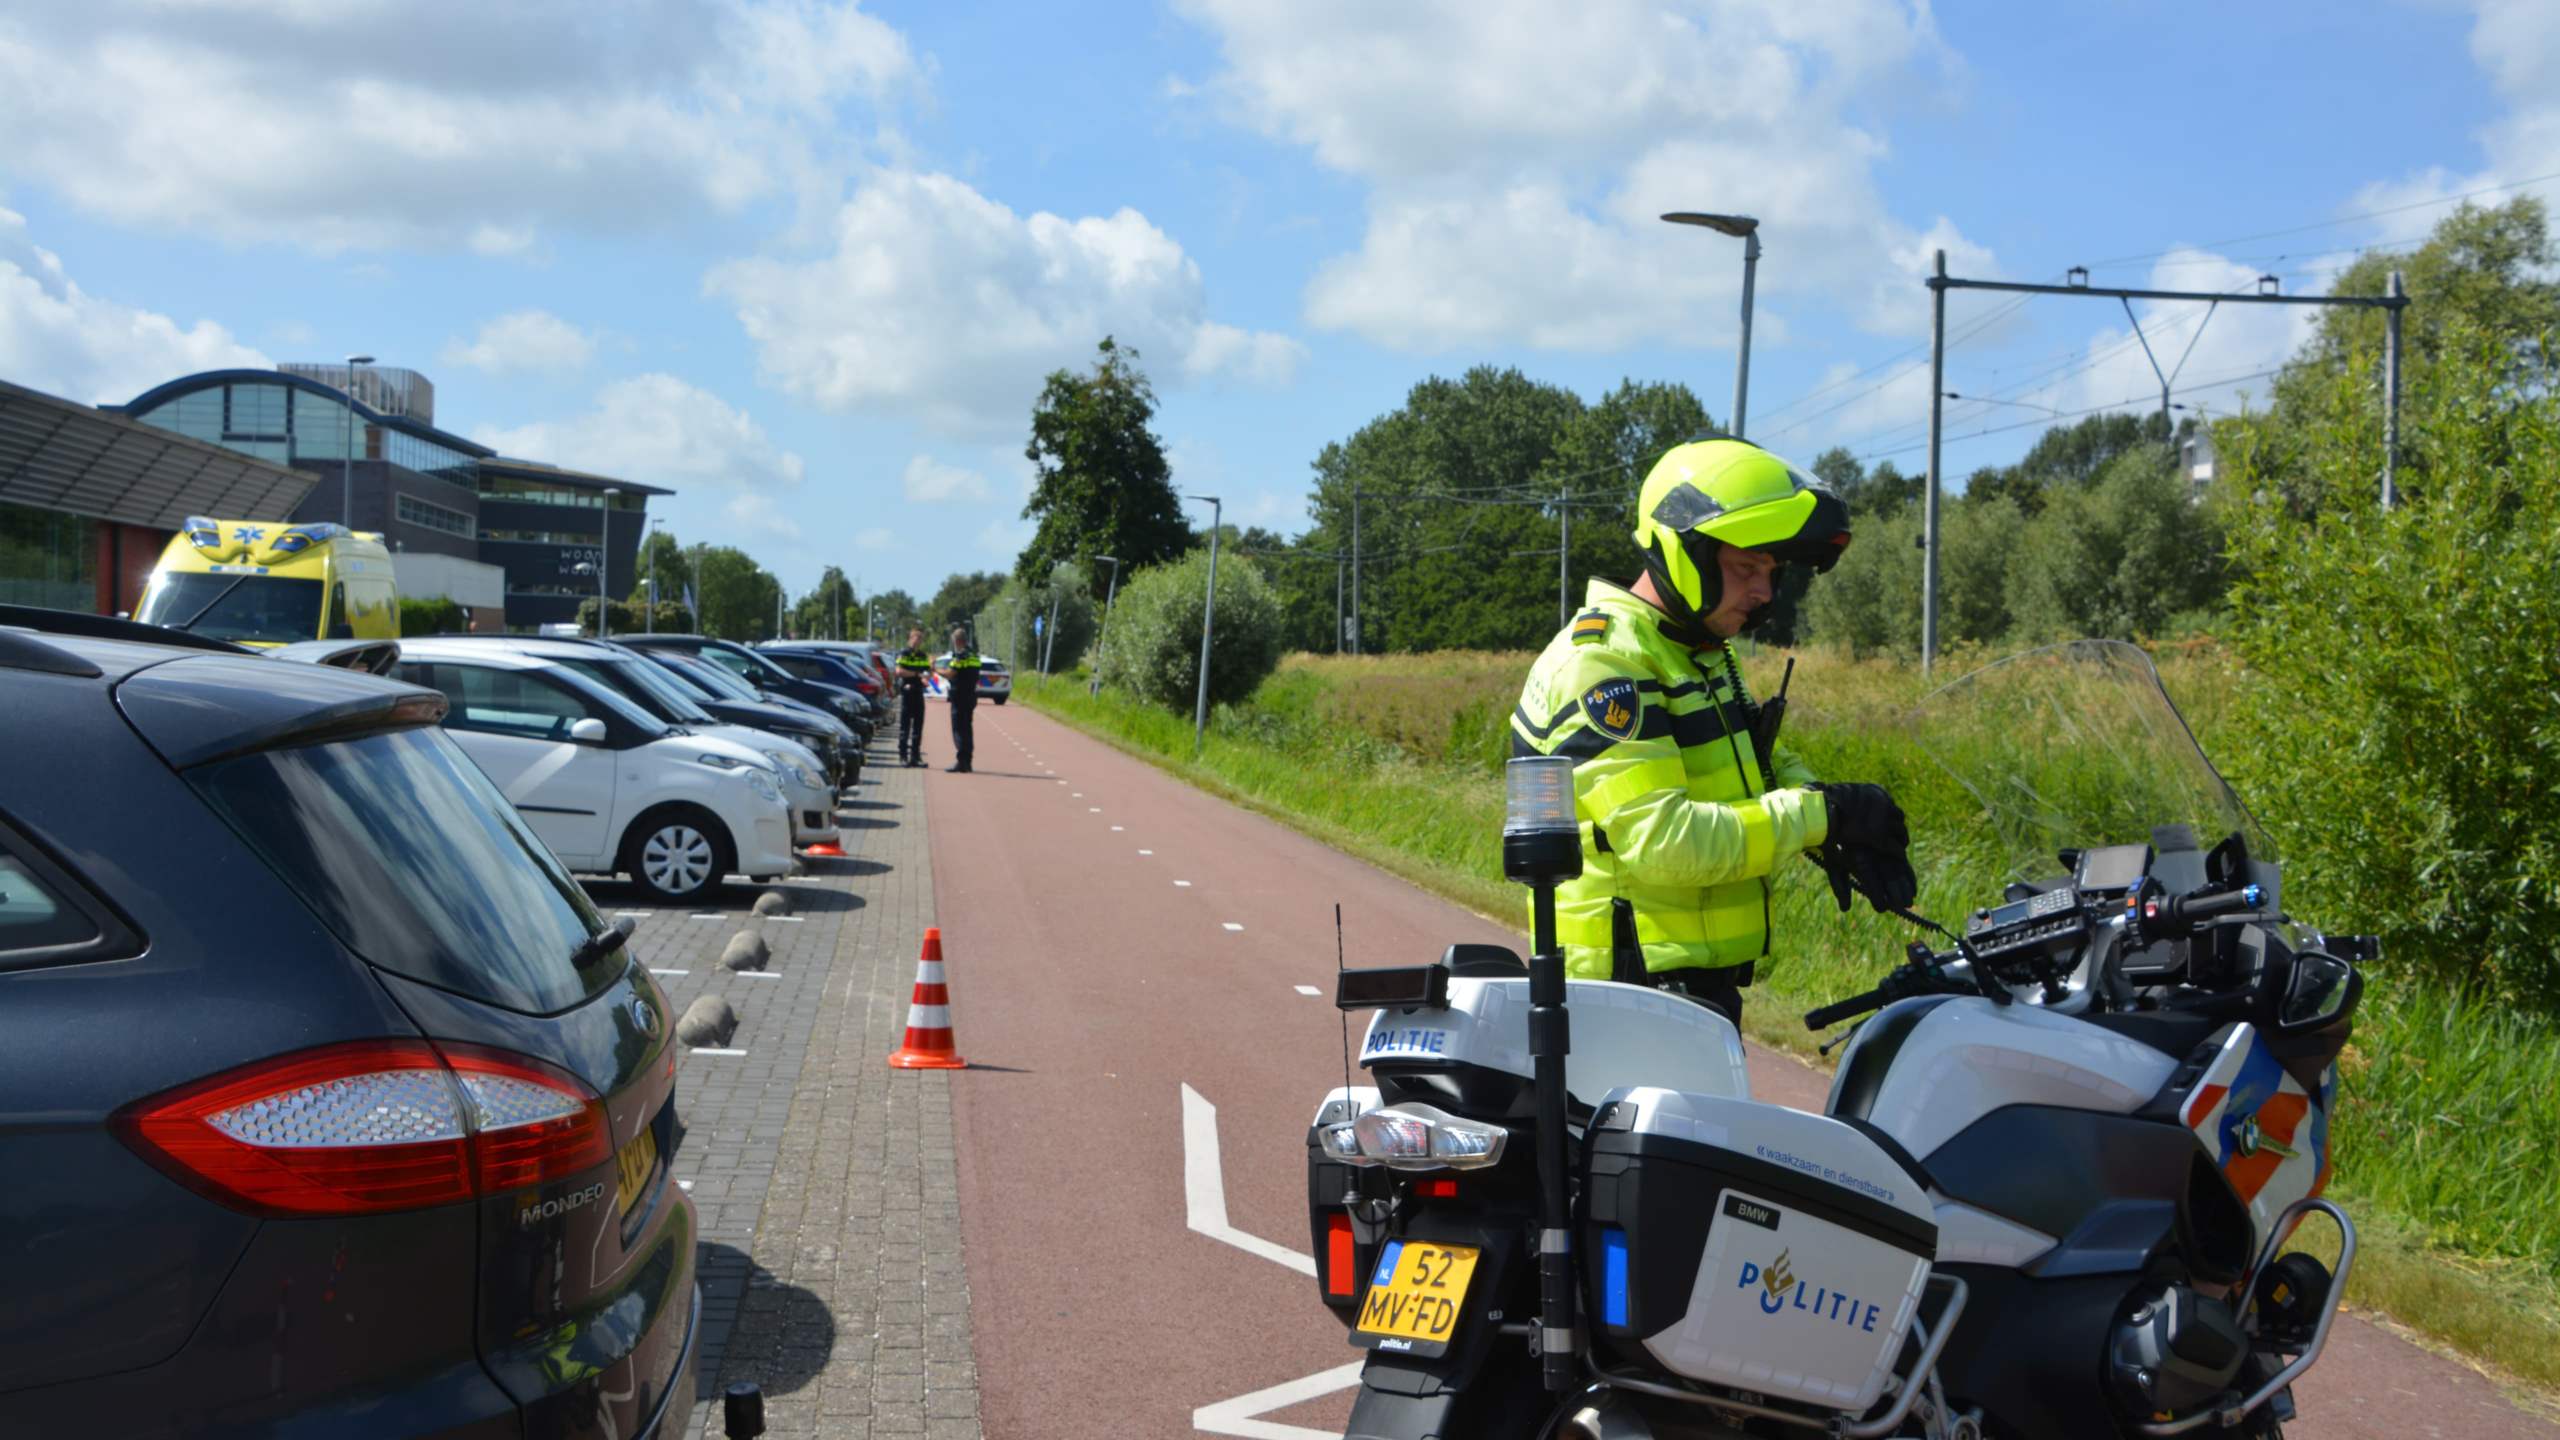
point(2321, 989)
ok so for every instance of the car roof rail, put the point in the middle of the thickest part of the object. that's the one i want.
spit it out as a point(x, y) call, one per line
point(107, 627)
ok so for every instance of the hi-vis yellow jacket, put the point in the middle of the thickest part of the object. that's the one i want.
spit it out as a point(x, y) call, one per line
point(1674, 816)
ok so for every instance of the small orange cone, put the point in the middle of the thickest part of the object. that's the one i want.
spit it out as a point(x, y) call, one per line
point(824, 847)
point(929, 1044)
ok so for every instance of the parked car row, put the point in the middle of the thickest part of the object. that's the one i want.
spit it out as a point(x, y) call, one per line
point(338, 1107)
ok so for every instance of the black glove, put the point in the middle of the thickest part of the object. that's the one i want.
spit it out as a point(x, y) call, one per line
point(1869, 849)
point(1865, 817)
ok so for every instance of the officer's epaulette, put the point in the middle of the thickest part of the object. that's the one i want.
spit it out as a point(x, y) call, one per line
point(1590, 627)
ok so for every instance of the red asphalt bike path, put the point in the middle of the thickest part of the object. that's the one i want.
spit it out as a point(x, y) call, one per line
point(1088, 988)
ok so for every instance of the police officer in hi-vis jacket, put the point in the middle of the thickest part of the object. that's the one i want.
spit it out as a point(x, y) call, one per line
point(914, 665)
point(960, 687)
point(1682, 820)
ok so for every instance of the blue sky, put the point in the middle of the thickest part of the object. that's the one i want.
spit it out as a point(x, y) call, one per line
point(806, 263)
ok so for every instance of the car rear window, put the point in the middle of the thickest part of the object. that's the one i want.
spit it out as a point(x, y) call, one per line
point(404, 849)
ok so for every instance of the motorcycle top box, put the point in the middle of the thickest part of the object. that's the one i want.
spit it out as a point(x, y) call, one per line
point(1752, 1246)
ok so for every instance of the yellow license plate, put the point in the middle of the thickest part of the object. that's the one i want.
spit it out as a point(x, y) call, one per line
point(1418, 1291)
point(638, 1159)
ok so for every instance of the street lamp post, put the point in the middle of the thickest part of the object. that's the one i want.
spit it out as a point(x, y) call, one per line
point(1208, 618)
point(1102, 641)
point(654, 523)
point(347, 471)
point(1747, 230)
point(604, 570)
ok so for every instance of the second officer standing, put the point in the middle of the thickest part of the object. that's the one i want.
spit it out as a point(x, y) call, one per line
point(960, 686)
point(915, 663)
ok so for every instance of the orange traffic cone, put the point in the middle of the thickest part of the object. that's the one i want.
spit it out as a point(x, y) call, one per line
point(928, 1044)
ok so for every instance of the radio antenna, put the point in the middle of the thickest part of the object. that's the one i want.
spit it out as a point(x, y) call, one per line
point(1346, 1015)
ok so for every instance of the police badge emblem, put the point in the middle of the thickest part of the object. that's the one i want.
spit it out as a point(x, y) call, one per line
point(1612, 708)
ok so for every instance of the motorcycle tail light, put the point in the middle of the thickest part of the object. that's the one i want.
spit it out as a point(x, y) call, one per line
point(1419, 1137)
point(369, 1127)
point(1464, 1145)
point(1342, 1143)
point(1396, 1139)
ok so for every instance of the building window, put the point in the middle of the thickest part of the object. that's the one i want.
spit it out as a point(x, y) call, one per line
point(283, 424)
point(511, 487)
point(48, 559)
point(414, 511)
point(541, 537)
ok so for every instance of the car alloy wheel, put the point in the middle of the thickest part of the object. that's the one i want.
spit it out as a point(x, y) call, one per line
point(676, 859)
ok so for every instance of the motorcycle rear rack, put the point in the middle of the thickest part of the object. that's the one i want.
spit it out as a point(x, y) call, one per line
point(2229, 1415)
point(1908, 1392)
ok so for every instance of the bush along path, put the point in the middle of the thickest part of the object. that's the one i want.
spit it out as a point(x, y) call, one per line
point(2445, 1136)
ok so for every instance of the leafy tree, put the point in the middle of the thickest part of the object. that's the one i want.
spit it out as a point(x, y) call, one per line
point(958, 603)
point(1154, 650)
point(739, 599)
point(831, 611)
point(1439, 572)
point(2399, 725)
point(672, 562)
point(1870, 602)
point(2483, 270)
point(1104, 487)
point(439, 616)
point(1062, 598)
point(2064, 455)
point(892, 612)
point(632, 617)
point(2127, 556)
point(1879, 492)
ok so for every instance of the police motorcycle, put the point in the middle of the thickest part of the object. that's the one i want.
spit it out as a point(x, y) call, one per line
point(2049, 1195)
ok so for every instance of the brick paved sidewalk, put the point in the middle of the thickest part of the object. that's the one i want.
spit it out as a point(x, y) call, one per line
point(830, 1258)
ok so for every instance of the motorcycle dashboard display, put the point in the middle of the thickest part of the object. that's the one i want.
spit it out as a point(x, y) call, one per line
point(2054, 923)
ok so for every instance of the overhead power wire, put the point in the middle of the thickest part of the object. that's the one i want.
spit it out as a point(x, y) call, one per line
point(2327, 224)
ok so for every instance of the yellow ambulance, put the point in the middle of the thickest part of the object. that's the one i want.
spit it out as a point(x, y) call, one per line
point(256, 582)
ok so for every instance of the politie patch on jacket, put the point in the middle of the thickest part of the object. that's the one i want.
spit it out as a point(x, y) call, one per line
point(1612, 708)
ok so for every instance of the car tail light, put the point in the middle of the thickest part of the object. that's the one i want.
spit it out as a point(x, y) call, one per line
point(370, 1127)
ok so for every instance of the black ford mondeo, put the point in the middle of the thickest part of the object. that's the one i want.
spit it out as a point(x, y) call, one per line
point(329, 1105)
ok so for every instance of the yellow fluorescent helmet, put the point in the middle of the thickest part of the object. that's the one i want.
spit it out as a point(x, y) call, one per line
point(1734, 493)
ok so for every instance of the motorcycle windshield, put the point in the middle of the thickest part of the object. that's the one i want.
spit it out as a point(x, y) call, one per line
point(2075, 746)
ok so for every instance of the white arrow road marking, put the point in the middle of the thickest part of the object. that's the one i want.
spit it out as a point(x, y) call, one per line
point(1204, 1193)
point(1239, 1416)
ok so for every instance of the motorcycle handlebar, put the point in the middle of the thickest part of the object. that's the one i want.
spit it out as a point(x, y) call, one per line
point(2188, 911)
point(1839, 1010)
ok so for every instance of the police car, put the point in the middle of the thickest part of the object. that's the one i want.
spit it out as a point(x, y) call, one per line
point(995, 683)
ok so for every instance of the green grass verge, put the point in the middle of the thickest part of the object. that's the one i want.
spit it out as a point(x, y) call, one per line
point(2450, 1114)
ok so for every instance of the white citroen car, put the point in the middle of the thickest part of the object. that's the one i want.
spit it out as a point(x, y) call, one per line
point(608, 786)
point(638, 679)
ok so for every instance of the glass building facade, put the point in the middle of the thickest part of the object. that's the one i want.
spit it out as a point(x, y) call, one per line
point(47, 558)
point(287, 424)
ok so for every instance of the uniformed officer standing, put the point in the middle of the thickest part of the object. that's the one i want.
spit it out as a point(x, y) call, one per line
point(914, 665)
point(1682, 821)
point(960, 687)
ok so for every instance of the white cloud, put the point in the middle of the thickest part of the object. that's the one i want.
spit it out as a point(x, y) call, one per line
point(1519, 152)
point(1007, 538)
point(876, 541)
point(930, 482)
point(2518, 43)
point(525, 341)
point(469, 124)
point(755, 515)
point(658, 430)
point(56, 337)
point(943, 305)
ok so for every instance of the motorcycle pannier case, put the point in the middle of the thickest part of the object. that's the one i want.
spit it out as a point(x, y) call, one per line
point(1747, 1245)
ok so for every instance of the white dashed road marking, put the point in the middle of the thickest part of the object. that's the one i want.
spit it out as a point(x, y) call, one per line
point(1306, 989)
point(1233, 925)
